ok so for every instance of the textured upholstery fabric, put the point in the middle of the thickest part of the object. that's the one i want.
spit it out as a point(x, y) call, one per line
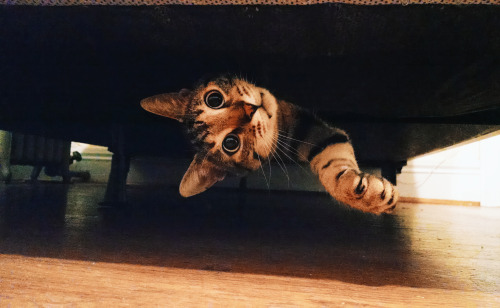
point(241, 2)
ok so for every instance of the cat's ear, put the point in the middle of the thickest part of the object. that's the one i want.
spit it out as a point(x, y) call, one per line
point(200, 176)
point(170, 105)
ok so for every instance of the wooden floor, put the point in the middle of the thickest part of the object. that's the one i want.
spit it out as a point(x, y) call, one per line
point(58, 247)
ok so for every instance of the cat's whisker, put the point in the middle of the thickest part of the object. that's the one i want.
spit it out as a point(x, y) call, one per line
point(274, 153)
point(290, 149)
point(297, 140)
point(294, 161)
point(307, 172)
point(263, 173)
point(285, 147)
point(282, 134)
point(268, 149)
point(283, 167)
point(285, 170)
point(277, 157)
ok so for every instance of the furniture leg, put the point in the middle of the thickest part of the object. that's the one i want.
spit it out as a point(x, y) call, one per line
point(5, 148)
point(120, 165)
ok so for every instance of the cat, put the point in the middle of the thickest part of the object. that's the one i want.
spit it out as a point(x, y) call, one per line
point(235, 126)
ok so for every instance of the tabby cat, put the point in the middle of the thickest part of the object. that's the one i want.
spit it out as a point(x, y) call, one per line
point(236, 126)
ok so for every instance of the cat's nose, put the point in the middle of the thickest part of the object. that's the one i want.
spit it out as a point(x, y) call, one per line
point(250, 109)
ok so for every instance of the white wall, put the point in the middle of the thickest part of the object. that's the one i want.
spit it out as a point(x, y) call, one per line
point(467, 172)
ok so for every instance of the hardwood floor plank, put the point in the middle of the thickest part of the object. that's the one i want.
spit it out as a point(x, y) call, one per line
point(57, 247)
point(43, 281)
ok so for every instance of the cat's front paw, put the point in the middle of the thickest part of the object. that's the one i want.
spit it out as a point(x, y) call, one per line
point(365, 192)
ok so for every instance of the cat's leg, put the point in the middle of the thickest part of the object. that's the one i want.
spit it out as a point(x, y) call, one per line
point(339, 173)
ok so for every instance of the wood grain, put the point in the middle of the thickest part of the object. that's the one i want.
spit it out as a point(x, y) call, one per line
point(58, 248)
point(42, 281)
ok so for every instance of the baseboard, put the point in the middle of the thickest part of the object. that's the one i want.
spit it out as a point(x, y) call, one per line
point(438, 201)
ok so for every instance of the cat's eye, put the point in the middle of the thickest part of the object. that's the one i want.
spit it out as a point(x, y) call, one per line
point(231, 143)
point(214, 99)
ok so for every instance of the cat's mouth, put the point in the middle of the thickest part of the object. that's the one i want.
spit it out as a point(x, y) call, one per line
point(266, 109)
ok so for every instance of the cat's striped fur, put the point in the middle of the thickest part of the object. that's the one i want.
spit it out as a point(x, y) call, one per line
point(236, 126)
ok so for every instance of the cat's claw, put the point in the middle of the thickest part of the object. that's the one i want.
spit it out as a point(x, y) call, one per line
point(366, 192)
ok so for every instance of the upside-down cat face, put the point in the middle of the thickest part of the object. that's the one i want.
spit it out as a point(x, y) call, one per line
point(232, 123)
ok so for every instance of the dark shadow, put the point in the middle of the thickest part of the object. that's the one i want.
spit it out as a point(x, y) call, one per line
point(34, 216)
point(273, 233)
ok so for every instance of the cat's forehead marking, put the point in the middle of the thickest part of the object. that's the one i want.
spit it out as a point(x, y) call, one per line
point(234, 88)
point(224, 84)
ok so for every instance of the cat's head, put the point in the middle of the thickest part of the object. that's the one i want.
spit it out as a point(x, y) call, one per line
point(232, 123)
